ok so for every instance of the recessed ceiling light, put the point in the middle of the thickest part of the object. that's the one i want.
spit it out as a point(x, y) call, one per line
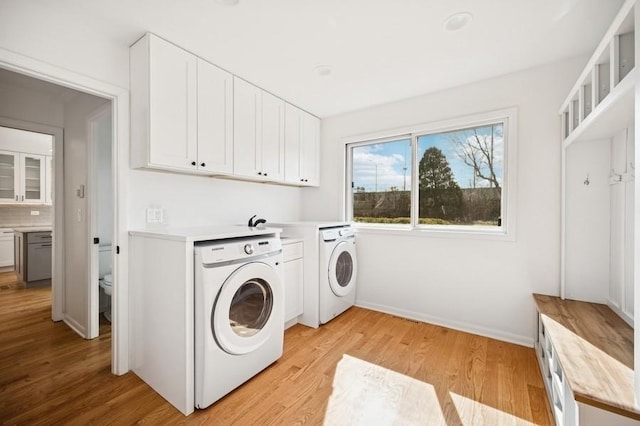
point(228, 2)
point(322, 70)
point(458, 21)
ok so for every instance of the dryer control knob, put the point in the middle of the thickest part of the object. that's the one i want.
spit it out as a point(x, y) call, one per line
point(248, 248)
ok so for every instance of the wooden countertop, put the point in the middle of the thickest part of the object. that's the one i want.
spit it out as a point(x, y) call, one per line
point(595, 350)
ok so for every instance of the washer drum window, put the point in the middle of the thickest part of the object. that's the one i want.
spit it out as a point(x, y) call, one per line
point(250, 307)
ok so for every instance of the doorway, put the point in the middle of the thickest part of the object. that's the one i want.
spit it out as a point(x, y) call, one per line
point(117, 100)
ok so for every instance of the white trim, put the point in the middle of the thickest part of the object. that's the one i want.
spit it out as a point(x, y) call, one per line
point(75, 326)
point(57, 219)
point(455, 325)
point(506, 232)
point(120, 103)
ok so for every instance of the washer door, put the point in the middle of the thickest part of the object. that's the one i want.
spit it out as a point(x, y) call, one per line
point(342, 268)
point(242, 318)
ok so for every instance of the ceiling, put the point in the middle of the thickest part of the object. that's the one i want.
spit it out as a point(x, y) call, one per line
point(379, 51)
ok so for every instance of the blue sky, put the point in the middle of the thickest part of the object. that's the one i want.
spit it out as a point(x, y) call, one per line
point(383, 165)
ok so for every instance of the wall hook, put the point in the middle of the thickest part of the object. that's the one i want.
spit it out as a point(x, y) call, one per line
point(587, 181)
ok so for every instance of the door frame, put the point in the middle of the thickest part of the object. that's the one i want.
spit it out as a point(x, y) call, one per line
point(119, 98)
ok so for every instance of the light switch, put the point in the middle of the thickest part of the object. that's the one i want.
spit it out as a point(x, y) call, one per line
point(155, 215)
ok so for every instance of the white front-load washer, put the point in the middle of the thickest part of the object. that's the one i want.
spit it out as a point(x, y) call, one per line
point(338, 270)
point(239, 313)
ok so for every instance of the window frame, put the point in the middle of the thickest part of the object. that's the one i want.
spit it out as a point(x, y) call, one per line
point(507, 230)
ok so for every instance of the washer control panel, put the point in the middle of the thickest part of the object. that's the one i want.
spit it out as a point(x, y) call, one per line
point(229, 250)
point(332, 234)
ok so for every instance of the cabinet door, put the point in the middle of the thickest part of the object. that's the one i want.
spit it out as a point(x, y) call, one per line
point(247, 129)
point(272, 137)
point(19, 254)
point(172, 106)
point(293, 279)
point(215, 119)
point(310, 149)
point(9, 176)
point(292, 165)
point(32, 178)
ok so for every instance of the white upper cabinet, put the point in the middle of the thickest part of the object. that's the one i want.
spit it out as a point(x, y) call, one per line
point(187, 115)
point(247, 128)
point(258, 123)
point(180, 109)
point(272, 137)
point(215, 119)
point(302, 138)
point(22, 177)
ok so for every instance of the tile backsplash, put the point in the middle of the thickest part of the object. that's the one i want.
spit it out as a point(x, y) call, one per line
point(20, 215)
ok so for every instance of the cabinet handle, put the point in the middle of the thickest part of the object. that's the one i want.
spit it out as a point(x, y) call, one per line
point(193, 163)
point(265, 174)
point(301, 180)
point(22, 198)
point(16, 198)
point(202, 164)
point(260, 173)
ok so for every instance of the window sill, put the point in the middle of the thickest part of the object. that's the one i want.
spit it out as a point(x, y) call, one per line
point(480, 233)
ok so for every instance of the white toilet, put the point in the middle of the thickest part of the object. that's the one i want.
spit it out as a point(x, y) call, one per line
point(106, 284)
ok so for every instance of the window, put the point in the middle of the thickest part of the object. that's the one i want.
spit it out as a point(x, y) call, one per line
point(449, 176)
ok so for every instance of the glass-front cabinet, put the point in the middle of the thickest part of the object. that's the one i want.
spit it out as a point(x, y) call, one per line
point(22, 177)
point(9, 176)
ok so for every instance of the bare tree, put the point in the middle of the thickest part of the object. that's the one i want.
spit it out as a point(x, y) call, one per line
point(477, 150)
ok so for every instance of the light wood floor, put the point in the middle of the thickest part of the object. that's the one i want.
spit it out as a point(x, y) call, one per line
point(49, 375)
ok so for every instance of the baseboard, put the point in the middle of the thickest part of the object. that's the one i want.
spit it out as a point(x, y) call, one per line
point(75, 326)
point(615, 308)
point(456, 325)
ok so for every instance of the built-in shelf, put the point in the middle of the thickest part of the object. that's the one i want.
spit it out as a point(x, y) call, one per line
point(615, 112)
point(611, 72)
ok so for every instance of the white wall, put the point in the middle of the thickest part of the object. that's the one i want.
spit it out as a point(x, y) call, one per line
point(57, 38)
point(27, 105)
point(481, 286)
point(196, 200)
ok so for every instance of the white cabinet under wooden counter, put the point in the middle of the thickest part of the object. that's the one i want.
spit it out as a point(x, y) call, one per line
point(293, 271)
point(585, 352)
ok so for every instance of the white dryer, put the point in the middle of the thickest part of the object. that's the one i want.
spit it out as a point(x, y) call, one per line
point(338, 270)
point(323, 245)
point(239, 313)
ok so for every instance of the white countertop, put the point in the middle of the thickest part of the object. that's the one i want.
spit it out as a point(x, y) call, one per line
point(25, 229)
point(203, 233)
point(310, 224)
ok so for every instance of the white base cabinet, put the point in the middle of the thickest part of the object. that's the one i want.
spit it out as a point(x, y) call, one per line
point(293, 269)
